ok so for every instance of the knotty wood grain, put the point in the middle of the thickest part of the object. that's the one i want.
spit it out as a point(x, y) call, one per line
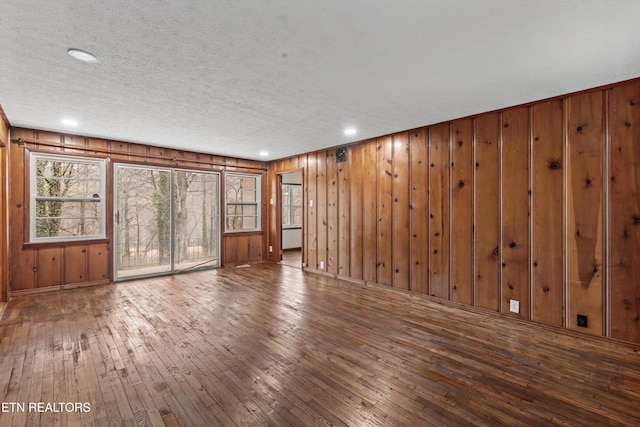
point(333, 254)
point(487, 212)
point(585, 142)
point(548, 213)
point(356, 214)
point(384, 261)
point(462, 172)
point(369, 211)
point(439, 167)
point(273, 345)
point(624, 182)
point(419, 210)
point(344, 215)
point(401, 241)
point(515, 210)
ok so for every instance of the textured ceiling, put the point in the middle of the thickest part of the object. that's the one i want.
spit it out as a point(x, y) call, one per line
point(287, 76)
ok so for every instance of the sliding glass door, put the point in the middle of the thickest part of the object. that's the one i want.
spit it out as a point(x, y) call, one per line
point(165, 220)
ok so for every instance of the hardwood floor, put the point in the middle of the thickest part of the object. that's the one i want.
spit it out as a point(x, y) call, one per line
point(273, 345)
point(292, 258)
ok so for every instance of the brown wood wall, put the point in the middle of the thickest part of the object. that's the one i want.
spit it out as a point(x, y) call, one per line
point(37, 266)
point(4, 232)
point(536, 203)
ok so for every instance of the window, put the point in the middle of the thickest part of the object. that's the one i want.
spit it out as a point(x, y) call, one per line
point(67, 198)
point(242, 202)
point(291, 205)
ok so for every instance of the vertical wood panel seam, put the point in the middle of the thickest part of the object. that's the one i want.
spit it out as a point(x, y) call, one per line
point(429, 222)
point(410, 208)
point(474, 160)
point(566, 200)
point(530, 260)
point(450, 213)
point(500, 212)
point(606, 212)
point(392, 256)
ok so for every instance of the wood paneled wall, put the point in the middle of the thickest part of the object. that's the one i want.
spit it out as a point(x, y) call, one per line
point(536, 203)
point(4, 231)
point(38, 266)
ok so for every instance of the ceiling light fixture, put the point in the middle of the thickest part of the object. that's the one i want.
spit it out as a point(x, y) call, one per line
point(350, 131)
point(69, 122)
point(264, 153)
point(82, 55)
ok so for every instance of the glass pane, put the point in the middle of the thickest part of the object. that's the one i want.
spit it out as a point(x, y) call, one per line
point(67, 227)
point(296, 195)
point(297, 215)
point(196, 219)
point(241, 189)
point(286, 215)
point(67, 219)
point(144, 221)
point(56, 178)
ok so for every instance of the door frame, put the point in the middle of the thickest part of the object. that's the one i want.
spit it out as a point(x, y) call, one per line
point(278, 202)
point(115, 225)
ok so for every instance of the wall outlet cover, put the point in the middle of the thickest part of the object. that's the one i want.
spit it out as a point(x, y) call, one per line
point(514, 306)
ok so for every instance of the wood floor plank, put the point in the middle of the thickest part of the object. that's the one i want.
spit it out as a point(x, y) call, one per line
point(273, 345)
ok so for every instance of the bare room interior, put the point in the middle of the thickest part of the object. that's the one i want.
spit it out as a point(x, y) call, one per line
point(319, 213)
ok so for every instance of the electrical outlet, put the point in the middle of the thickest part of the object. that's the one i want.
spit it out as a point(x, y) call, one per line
point(321, 265)
point(514, 306)
point(310, 203)
point(270, 248)
point(581, 320)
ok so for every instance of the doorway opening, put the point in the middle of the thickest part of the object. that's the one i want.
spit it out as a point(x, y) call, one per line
point(291, 215)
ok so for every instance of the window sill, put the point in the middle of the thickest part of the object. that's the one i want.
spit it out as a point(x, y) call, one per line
point(35, 245)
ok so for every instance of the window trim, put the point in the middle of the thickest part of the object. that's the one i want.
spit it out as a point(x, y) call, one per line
point(257, 203)
point(33, 197)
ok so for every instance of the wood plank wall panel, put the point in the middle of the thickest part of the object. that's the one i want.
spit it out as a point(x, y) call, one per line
point(515, 210)
point(23, 261)
point(344, 215)
point(547, 213)
point(48, 267)
point(370, 220)
point(304, 168)
point(521, 206)
point(624, 181)
point(75, 264)
point(462, 252)
point(419, 210)
point(439, 186)
point(401, 249)
point(99, 260)
point(273, 213)
point(322, 210)
point(356, 213)
point(311, 211)
point(333, 252)
point(487, 212)
point(4, 200)
point(585, 142)
point(384, 262)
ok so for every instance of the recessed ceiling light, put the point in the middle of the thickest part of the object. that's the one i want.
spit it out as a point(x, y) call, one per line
point(264, 153)
point(350, 131)
point(82, 55)
point(69, 122)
